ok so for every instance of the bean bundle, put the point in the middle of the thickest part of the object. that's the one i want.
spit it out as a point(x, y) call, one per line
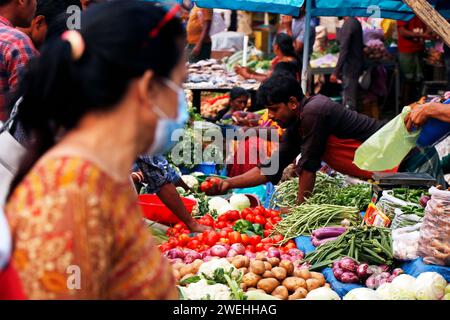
point(369, 244)
point(304, 219)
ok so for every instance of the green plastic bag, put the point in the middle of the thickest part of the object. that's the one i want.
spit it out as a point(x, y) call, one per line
point(387, 148)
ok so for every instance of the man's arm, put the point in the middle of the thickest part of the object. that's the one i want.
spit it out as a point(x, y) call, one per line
point(306, 182)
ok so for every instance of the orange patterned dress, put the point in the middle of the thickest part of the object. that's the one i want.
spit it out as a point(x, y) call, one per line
point(79, 234)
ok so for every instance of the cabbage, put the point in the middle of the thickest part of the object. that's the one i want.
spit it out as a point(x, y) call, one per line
point(217, 202)
point(384, 291)
point(239, 202)
point(362, 294)
point(257, 295)
point(430, 286)
point(322, 293)
point(401, 288)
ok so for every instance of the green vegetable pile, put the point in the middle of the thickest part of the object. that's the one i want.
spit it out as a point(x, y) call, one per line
point(244, 226)
point(369, 244)
point(304, 219)
point(286, 193)
point(408, 195)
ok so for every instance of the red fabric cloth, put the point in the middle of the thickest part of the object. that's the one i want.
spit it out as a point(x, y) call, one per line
point(339, 155)
point(250, 147)
point(10, 285)
point(407, 45)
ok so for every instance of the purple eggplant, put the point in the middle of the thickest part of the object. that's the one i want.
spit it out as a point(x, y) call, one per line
point(338, 272)
point(328, 232)
point(349, 277)
point(316, 242)
point(348, 264)
point(364, 271)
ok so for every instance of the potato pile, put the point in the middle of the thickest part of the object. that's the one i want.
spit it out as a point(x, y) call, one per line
point(280, 278)
point(182, 271)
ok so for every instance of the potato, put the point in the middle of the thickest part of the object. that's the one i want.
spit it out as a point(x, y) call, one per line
point(312, 284)
point(319, 277)
point(187, 269)
point(274, 261)
point(243, 286)
point(280, 292)
point(243, 270)
point(267, 265)
point(187, 276)
point(197, 263)
point(238, 262)
point(251, 279)
point(302, 273)
point(268, 285)
point(246, 262)
point(288, 266)
point(257, 267)
point(178, 265)
point(230, 259)
point(261, 256)
point(293, 283)
point(300, 293)
point(268, 274)
point(280, 273)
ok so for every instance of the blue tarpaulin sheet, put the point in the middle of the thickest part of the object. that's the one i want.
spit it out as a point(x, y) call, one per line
point(392, 9)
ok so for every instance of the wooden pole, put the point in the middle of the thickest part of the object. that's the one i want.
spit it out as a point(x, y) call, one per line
point(431, 17)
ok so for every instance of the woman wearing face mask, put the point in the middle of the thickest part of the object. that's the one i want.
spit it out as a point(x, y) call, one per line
point(108, 96)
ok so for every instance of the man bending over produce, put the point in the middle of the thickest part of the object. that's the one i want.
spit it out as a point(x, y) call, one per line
point(317, 128)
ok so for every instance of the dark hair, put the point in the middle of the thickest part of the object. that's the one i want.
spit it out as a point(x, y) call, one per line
point(4, 2)
point(57, 91)
point(50, 9)
point(278, 89)
point(237, 92)
point(287, 69)
point(286, 45)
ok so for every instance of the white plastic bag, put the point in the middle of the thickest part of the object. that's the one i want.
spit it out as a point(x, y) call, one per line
point(405, 242)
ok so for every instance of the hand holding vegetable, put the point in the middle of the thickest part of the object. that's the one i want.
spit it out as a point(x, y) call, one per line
point(215, 186)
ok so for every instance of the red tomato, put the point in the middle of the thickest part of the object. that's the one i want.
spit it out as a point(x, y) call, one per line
point(277, 238)
point(274, 213)
point(223, 233)
point(215, 181)
point(267, 240)
point(259, 247)
point(212, 238)
point(221, 224)
point(267, 246)
point(178, 226)
point(246, 212)
point(267, 233)
point(186, 231)
point(228, 229)
point(268, 226)
point(235, 237)
point(284, 250)
point(233, 215)
point(224, 217)
point(259, 210)
point(291, 246)
point(200, 237)
point(255, 240)
point(260, 219)
point(173, 242)
point(245, 239)
point(205, 186)
point(250, 218)
point(250, 248)
point(183, 239)
point(276, 219)
point(193, 244)
point(164, 247)
point(224, 240)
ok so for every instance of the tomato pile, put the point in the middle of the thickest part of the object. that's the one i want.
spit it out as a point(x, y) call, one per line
point(210, 184)
point(223, 233)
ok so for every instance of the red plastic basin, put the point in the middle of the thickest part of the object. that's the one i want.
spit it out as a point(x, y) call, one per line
point(154, 210)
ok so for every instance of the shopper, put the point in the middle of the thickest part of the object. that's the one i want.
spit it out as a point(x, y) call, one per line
point(351, 60)
point(16, 48)
point(238, 102)
point(46, 13)
point(318, 129)
point(283, 48)
point(93, 102)
point(162, 180)
point(198, 28)
point(411, 48)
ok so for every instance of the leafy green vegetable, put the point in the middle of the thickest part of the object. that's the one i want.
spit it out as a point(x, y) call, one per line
point(244, 226)
point(189, 280)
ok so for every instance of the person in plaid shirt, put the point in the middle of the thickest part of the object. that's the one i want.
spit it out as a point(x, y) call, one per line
point(16, 48)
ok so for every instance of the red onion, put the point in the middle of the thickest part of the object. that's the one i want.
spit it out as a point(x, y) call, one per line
point(238, 247)
point(273, 253)
point(232, 253)
point(192, 256)
point(364, 271)
point(285, 257)
point(219, 251)
point(349, 277)
point(397, 271)
point(294, 252)
point(348, 264)
point(338, 272)
point(174, 253)
point(384, 268)
point(206, 253)
point(424, 200)
point(250, 255)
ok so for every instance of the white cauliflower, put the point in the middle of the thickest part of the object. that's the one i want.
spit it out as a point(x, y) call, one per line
point(209, 267)
point(190, 181)
point(201, 290)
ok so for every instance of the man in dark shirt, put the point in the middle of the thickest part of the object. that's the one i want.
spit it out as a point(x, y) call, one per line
point(351, 60)
point(316, 127)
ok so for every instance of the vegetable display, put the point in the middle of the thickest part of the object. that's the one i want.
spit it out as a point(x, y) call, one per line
point(304, 219)
point(372, 245)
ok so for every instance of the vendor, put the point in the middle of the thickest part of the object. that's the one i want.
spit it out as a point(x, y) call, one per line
point(162, 180)
point(238, 102)
point(283, 48)
point(317, 128)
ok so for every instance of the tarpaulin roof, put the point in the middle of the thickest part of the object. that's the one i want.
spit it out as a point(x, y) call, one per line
point(393, 9)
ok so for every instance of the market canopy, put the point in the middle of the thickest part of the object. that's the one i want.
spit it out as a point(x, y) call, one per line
point(392, 9)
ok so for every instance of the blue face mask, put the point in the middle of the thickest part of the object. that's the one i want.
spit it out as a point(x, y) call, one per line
point(162, 142)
